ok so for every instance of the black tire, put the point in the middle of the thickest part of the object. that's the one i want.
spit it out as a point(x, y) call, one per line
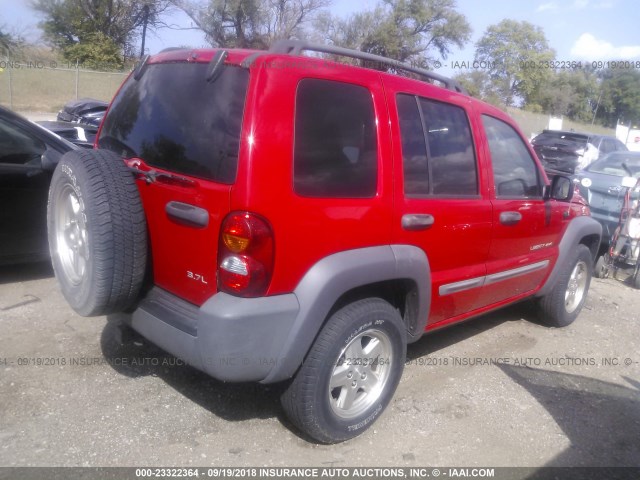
point(331, 415)
point(563, 304)
point(636, 278)
point(97, 232)
point(601, 269)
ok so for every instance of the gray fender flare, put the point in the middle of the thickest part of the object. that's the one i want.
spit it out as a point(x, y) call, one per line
point(578, 229)
point(337, 274)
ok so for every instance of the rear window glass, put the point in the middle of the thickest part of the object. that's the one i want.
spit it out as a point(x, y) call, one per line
point(546, 138)
point(174, 119)
point(335, 153)
point(614, 164)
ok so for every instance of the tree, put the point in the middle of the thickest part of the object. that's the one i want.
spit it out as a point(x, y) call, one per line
point(571, 93)
point(414, 31)
point(620, 97)
point(89, 30)
point(479, 85)
point(95, 51)
point(251, 23)
point(516, 53)
point(10, 41)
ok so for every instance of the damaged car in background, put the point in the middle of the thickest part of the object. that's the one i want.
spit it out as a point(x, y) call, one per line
point(569, 152)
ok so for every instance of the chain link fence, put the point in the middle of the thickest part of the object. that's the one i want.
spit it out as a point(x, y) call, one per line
point(45, 86)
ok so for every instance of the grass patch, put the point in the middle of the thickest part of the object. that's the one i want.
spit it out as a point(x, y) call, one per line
point(47, 89)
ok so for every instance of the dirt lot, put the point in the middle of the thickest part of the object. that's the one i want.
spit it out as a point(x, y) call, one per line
point(501, 390)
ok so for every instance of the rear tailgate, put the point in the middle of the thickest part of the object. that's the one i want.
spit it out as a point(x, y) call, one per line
point(185, 131)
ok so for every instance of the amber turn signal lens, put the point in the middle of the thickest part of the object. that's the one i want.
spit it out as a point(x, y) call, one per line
point(235, 243)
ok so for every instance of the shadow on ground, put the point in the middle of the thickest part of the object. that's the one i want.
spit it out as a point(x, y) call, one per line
point(132, 355)
point(441, 339)
point(25, 272)
point(600, 419)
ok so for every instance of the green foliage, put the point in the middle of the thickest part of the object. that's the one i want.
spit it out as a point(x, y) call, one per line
point(10, 42)
point(415, 31)
point(620, 97)
point(88, 28)
point(570, 93)
point(96, 52)
point(516, 52)
point(479, 85)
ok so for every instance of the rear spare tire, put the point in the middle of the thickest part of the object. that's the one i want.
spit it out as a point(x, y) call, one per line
point(97, 232)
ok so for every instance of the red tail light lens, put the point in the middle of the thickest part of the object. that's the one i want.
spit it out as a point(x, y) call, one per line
point(245, 255)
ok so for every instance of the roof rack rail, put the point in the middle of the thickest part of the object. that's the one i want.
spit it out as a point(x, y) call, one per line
point(296, 47)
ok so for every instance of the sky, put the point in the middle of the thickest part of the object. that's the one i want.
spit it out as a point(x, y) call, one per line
point(581, 30)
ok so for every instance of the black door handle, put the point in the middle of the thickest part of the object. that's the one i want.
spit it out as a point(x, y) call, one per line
point(187, 214)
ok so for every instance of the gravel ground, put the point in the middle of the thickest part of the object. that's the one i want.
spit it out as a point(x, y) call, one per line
point(501, 390)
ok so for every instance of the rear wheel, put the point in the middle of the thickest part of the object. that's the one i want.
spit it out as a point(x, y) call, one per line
point(97, 232)
point(350, 374)
point(563, 304)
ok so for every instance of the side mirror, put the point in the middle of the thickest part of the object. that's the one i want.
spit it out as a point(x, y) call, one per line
point(561, 189)
point(49, 159)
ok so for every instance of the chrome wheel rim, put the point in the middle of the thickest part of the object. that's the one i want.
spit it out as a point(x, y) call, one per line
point(360, 374)
point(72, 246)
point(576, 287)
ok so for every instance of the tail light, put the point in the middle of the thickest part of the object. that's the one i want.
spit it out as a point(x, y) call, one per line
point(245, 255)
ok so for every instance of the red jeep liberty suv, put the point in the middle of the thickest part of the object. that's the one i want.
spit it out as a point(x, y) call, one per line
point(268, 216)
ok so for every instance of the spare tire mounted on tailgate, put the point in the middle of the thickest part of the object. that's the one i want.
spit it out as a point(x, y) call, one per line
point(97, 232)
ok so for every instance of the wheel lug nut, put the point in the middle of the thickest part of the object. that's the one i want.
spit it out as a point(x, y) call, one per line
point(354, 383)
point(349, 375)
point(363, 376)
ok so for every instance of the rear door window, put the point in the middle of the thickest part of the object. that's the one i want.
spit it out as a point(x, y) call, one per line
point(437, 148)
point(174, 119)
point(336, 150)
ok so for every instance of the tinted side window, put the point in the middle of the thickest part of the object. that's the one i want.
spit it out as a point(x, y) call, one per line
point(620, 147)
point(451, 156)
point(514, 171)
point(414, 148)
point(445, 164)
point(17, 146)
point(335, 152)
point(607, 146)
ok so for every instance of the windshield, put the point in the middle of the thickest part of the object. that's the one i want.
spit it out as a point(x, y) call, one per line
point(174, 119)
point(614, 164)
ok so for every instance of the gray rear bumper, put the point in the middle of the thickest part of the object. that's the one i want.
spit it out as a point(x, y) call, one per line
point(230, 338)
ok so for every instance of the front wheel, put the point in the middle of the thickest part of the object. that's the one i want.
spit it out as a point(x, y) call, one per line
point(563, 304)
point(601, 270)
point(350, 373)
